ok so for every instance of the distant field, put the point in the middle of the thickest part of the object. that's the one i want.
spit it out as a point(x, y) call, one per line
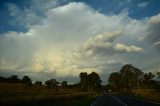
point(17, 93)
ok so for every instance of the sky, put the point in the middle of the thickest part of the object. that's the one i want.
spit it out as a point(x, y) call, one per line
point(47, 39)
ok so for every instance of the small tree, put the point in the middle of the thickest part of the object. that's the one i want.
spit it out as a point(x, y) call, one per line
point(39, 83)
point(158, 75)
point(64, 83)
point(52, 84)
point(26, 80)
point(148, 79)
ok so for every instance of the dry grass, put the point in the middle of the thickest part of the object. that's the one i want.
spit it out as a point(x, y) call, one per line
point(19, 93)
point(147, 93)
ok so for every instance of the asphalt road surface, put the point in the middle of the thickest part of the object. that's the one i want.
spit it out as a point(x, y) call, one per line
point(121, 100)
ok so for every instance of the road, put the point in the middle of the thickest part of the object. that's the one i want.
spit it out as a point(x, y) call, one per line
point(121, 100)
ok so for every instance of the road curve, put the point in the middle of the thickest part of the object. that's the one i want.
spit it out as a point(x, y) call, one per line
point(121, 100)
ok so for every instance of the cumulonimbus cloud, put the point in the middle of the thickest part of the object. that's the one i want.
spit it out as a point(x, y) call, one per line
point(69, 35)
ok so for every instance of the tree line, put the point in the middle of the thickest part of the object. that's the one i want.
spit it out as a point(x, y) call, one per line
point(130, 77)
point(88, 82)
point(15, 79)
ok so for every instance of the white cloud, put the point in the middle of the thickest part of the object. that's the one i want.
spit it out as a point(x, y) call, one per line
point(154, 19)
point(101, 41)
point(143, 4)
point(124, 48)
point(153, 24)
point(105, 44)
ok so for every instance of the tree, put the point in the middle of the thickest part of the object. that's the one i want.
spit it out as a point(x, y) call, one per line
point(26, 80)
point(83, 81)
point(48, 83)
point(14, 79)
point(94, 81)
point(129, 77)
point(114, 80)
point(156, 84)
point(148, 79)
point(64, 83)
point(158, 75)
point(39, 83)
point(90, 81)
point(52, 84)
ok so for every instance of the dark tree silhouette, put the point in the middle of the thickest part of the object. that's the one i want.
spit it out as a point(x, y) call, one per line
point(114, 80)
point(64, 83)
point(83, 81)
point(158, 75)
point(26, 80)
point(94, 81)
point(52, 84)
point(39, 83)
point(148, 80)
point(90, 82)
point(129, 77)
point(14, 79)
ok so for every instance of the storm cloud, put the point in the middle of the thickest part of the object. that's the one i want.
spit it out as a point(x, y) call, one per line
point(74, 37)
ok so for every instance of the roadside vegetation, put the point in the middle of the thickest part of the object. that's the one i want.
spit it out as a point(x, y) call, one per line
point(15, 91)
point(129, 80)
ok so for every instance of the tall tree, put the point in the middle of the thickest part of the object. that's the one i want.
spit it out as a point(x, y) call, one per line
point(90, 81)
point(94, 81)
point(26, 80)
point(114, 80)
point(83, 81)
point(129, 77)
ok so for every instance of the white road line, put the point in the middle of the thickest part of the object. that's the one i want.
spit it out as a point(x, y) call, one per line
point(119, 100)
